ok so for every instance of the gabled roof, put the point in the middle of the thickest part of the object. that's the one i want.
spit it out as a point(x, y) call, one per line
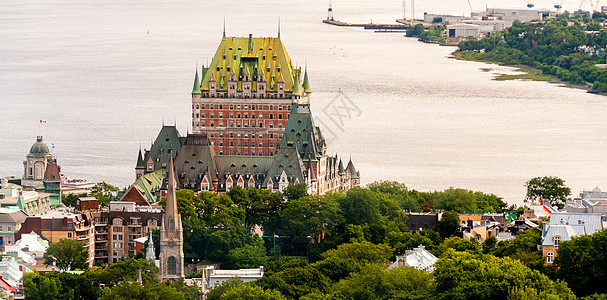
point(168, 139)
point(286, 160)
point(148, 186)
point(301, 133)
point(195, 160)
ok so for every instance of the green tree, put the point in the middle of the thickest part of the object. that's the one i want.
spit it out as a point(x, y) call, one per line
point(296, 282)
point(67, 255)
point(124, 270)
point(70, 199)
point(379, 283)
point(246, 257)
point(462, 275)
point(350, 258)
point(103, 191)
point(236, 289)
point(38, 287)
point(552, 189)
point(582, 262)
point(448, 224)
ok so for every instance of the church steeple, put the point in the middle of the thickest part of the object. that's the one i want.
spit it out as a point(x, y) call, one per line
point(171, 233)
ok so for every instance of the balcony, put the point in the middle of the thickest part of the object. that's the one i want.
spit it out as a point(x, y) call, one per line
point(135, 224)
point(103, 232)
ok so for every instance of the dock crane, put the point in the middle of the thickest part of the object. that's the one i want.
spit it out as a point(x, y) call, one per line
point(470, 5)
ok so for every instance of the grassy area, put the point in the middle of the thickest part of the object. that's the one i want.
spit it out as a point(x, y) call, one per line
point(527, 72)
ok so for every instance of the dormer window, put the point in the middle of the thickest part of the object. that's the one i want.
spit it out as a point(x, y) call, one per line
point(557, 240)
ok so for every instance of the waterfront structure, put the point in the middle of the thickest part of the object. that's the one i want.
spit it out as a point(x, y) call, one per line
point(244, 96)
point(463, 31)
point(563, 227)
point(171, 234)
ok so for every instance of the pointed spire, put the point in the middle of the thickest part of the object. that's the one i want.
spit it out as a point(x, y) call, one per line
point(306, 83)
point(341, 168)
point(296, 89)
point(279, 27)
point(171, 204)
point(140, 162)
point(224, 28)
point(196, 88)
point(150, 253)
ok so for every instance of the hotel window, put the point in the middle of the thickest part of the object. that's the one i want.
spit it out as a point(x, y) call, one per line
point(220, 106)
point(260, 125)
point(212, 106)
point(252, 116)
point(280, 116)
point(260, 135)
point(246, 124)
point(252, 107)
point(220, 152)
point(557, 240)
point(280, 107)
point(231, 143)
point(246, 107)
point(220, 143)
point(231, 124)
point(231, 115)
point(203, 124)
point(203, 115)
point(9, 228)
point(260, 116)
point(238, 107)
point(212, 115)
point(246, 144)
point(260, 107)
point(271, 107)
point(220, 115)
point(238, 116)
point(260, 144)
point(231, 135)
point(271, 144)
point(238, 144)
point(231, 152)
point(271, 125)
point(238, 135)
point(550, 257)
point(202, 106)
point(197, 106)
point(271, 116)
point(279, 125)
point(260, 153)
point(231, 106)
point(246, 116)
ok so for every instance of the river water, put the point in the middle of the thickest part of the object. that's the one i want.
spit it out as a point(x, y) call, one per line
point(105, 75)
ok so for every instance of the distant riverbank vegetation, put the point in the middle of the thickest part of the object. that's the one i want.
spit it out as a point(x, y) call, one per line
point(434, 34)
point(569, 48)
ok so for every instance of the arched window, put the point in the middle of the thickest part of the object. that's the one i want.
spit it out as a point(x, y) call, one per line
point(172, 266)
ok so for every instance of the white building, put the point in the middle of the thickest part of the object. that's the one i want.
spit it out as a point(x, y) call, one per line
point(216, 277)
point(418, 258)
point(463, 31)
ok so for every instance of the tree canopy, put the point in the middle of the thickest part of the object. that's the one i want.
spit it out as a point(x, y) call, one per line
point(548, 188)
point(67, 255)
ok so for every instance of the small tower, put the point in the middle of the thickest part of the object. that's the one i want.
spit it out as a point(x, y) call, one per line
point(330, 13)
point(140, 168)
point(150, 253)
point(171, 233)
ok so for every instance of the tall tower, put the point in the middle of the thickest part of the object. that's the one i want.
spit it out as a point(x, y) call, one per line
point(171, 234)
point(330, 13)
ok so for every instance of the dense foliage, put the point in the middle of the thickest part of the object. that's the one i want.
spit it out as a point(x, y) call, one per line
point(432, 34)
point(568, 48)
point(551, 189)
point(67, 255)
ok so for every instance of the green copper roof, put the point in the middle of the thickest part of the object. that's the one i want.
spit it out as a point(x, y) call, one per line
point(39, 148)
point(306, 83)
point(296, 88)
point(350, 168)
point(341, 168)
point(140, 162)
point(196, 88)
point(149, 185)
point(302, 134)
point(245, 52)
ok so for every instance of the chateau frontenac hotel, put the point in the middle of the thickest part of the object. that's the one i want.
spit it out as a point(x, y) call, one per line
point(252, 127)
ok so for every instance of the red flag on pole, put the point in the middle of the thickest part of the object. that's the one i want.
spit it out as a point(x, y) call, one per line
point(43, 121)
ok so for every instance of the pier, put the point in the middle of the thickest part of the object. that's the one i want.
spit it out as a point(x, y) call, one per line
point(369, 26)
